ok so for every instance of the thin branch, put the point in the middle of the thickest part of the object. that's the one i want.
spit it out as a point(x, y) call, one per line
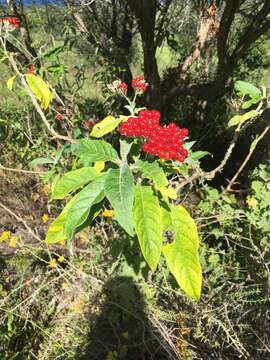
point(18, 218)
point(34, 100)
point(40, 173)
point(211, 174)
point(256, 141)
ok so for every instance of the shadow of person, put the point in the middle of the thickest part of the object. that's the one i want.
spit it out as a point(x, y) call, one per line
point(122, 330)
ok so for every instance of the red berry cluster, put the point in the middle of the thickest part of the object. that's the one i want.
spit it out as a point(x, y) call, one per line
point(11, 20)
point(139, 84)
point(164, 142)
point(122, 86)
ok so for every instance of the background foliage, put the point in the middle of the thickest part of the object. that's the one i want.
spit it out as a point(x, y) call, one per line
point(98, 299)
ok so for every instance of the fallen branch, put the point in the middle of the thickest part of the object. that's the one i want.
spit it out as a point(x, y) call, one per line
point(40, 173)
point(18, 218)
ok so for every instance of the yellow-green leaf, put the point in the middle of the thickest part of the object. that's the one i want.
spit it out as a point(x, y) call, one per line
point(40, 89)
point(153, 171)
point(10, 82)
point(99, 166)
point(72, 181)
point(148, 227)
point(105, 126)
point(56, 232)
point(237, 119)
point(182, 254)
point(168, 192)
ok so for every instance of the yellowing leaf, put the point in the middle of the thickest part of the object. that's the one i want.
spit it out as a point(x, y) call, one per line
point(13, 242)
point(105, 126)
point(10, 82)
point(182, 255)
point(168, 192)
point(40, 89)
point(5, 236)
point(99, 166)
point(56, 232)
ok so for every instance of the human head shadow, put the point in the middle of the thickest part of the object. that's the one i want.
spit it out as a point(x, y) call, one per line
point(122, 330)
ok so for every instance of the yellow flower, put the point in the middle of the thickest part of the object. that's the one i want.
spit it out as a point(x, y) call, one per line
point(65, 286)
point(108, 213)
point(62, 242)
point(78, 305)
point(61, 259)
point(13, 241)
point(53, 263)
point(45, 218)
point(252, 203)
point(5, 236)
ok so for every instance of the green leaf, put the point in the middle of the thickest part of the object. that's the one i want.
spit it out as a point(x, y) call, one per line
point(148, 227)
point(247, 104)
point(40, 89)
point(119, 189)
point(182, 254)
point(95, 150)
point(245, 88)
point(56, 232)
point(41, 161)
point(10, 82)
point(125, 148)
point(105, 126)
point(72, 181)
point(237, 119)
point(153, 171)
point(197, 155)
point(188, 145)
point(51, 53)
point(92, 194)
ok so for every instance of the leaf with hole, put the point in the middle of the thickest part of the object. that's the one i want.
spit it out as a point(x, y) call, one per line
point(182, 255)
